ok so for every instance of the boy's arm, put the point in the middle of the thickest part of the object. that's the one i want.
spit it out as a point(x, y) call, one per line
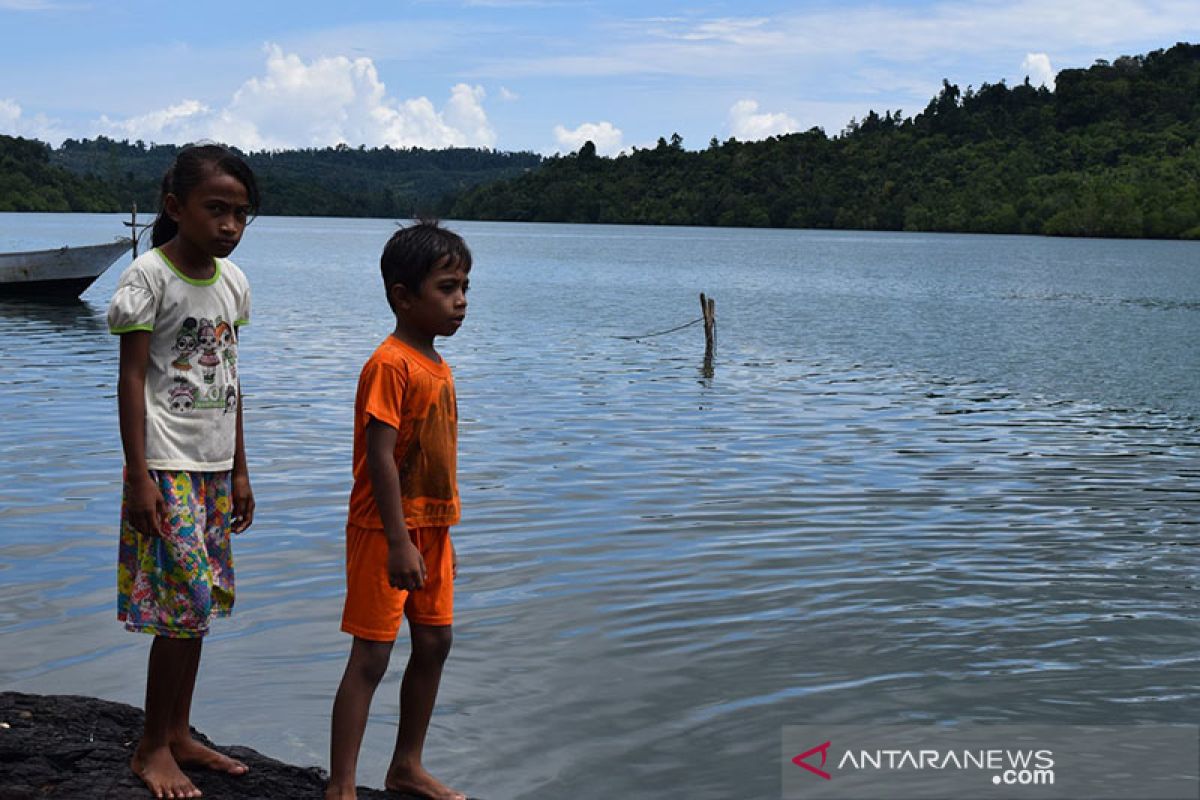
point(146, 509)
point(406, 568)
point(243, 495)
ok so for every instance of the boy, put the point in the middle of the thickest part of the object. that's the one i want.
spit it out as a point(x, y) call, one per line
point(399, 559)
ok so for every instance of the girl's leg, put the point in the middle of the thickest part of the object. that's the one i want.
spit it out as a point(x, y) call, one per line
point(187, 751)
point(418, 694)
point(365, 669)
point(201, 543)
point(152, 760)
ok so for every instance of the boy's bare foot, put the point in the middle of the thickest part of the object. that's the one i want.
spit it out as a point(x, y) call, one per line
point(418, 782)
point(161, 774)
point(190, 753)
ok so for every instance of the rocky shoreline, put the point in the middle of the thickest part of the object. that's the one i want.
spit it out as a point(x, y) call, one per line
point(67, 746)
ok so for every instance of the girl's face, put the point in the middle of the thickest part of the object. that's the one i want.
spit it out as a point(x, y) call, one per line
point(214, 214)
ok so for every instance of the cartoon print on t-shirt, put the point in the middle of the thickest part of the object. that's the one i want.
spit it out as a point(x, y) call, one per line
point(182, 396)
point(208, 387)
point(228, 346)
point(208, 350)
point(186, 343)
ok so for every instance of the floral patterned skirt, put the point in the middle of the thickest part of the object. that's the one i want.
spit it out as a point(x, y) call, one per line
point(173, 585)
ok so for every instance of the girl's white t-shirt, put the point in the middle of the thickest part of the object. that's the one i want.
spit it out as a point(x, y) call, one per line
point(192, 380)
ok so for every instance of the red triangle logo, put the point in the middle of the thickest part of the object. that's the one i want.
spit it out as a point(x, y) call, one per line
point(823, 749)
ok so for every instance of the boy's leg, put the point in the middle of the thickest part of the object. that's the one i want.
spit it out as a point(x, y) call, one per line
point(418, 694)
point(364, 670)
point(187, 751)
point(152, 759)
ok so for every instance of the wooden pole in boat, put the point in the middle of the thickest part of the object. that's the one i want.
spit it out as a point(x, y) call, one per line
point(135, 228)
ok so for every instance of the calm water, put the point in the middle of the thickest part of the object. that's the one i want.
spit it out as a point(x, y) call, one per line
point(930, 479)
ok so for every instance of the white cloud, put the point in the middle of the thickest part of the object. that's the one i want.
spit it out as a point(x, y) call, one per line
point(318, 103)
point(746, 124)
point(464, 114)
point(1037, 67)
point(896, 36)
point(734, 31)
point(13, 122)
point(604, 135)
point(161, 125)
point(507, 95)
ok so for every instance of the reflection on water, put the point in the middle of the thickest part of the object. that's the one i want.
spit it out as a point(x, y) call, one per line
point(927, 479)
point(68, 316)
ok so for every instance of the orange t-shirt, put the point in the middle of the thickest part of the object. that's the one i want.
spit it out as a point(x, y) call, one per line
point(402, 388)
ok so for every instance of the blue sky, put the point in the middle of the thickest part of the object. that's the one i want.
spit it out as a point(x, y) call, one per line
point(539, 75)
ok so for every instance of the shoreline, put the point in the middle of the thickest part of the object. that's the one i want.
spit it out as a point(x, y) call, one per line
point(452, 220)
point(73, 746)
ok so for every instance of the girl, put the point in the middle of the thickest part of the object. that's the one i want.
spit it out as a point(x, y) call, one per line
point(186, 483)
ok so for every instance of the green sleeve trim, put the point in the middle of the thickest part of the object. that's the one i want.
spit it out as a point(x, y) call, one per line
point(131, 329)
point(241, 322)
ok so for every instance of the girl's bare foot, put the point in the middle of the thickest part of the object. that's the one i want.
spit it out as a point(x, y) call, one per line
point(161, 774)
point(190, 753)
point(333, 792)
point(420, 783)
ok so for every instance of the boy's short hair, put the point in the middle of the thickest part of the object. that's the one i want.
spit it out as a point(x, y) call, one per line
point(413, 252)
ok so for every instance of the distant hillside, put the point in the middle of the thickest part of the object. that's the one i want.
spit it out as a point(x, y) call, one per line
point(1112, 151)
point(106, 175)
point(334, 181)
point(28, 182)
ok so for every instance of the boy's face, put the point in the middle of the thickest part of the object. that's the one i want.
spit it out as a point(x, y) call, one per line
point(441, 305)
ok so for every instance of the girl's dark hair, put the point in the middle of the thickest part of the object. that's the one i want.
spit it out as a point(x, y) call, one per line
point(191, 167)
point(413, 252)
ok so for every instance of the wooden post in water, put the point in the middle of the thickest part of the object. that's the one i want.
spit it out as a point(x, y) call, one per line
point(708, 307)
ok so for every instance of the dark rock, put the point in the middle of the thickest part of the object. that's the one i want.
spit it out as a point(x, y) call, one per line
point(66, 746)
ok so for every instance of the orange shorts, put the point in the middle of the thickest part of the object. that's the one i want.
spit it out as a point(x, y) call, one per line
point(374, 607)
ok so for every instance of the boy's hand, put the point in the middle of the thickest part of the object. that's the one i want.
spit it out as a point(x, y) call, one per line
point(243, 502)
point(147, 508)
point(405, 566)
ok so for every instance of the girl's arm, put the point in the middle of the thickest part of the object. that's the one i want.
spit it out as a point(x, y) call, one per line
point(146, 509)
point(243, 495)
point(406, 567)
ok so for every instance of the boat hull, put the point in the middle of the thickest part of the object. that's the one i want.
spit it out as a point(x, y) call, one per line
point(63, 272)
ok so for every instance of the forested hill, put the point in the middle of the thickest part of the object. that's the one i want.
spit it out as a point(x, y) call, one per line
point(28, 182)
point(1112, 151)
point(106, 175)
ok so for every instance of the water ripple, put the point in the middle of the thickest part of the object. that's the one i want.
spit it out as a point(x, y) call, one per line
point(908, 492)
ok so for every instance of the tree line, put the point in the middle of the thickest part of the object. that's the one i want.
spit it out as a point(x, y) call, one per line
point(106, 175)
point(1112, 151)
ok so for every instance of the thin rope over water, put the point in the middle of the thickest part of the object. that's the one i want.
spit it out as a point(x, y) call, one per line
point(660, 333)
